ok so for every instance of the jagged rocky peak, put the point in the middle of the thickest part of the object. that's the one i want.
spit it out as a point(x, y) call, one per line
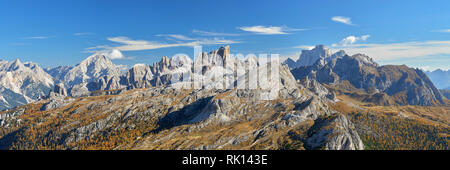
point(403, 84)
point(224, 51)
point(59, 92)
point(15, 65)
point(161, 66)
point(91, 71)
point(180, 61)
point(340, 53)
point(309, 57)
point(22, 83)
point(57, 98)
point(219, 57)
point(363, 60)
point(318, 50)
point(139, 76)
point(60, 89)
point(319, 53)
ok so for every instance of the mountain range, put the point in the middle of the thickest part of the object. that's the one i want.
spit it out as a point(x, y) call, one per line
point(440, 78)
point(321, 101)
point(22, 83)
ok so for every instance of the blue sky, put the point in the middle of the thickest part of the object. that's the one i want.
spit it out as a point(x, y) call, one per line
point(55, 32)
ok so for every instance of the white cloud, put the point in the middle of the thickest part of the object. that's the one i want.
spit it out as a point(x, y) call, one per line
point(127, 44)
point(82, 33)
point(135, 45)
point(207, 33)
point(37, 37)
point(115, 54)
point(351, 40)
point(306, 47)
point(271, 30)
point(177, 36)
point(405, 50)
point(341, 19)
point(433, 68)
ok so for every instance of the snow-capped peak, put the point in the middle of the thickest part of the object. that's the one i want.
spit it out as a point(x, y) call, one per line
point(91, 69)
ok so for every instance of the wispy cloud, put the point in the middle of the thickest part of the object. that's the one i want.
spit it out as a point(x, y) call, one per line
point(305, 47)
point(341, 19)
point(269, 30)
point(17, 44)
point(37, 37)
point(82, 33)
point(127, 44)
point(176, 36)
point(351, 40)
point(208, 33)
point(433, 68)
point(404, 50)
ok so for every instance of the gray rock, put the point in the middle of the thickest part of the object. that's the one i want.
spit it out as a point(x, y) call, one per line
point(363, 73)
point(59, 89)
point(336, 133)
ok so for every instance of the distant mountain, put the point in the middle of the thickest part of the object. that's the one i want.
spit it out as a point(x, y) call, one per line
point(440, 78)
point(139, 76)
point(22, 83)
point(173, 71)
point(162, 108)
point(359, 72)
point(446, 93)
point(59, 72)
point(308, 110)
point(309, 57)
point(97, 72)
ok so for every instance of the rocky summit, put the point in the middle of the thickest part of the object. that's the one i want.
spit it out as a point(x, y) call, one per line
point(22, 83)
point(216, 101)
point(401, 84)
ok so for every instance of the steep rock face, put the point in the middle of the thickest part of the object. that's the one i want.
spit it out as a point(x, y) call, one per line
point(90, 70)
point(108, 82)
point(60, 89)
point(405, 85)
point(290, 63)
point(139, 76)
point(335, 133)
point(21, 83)
point(56, 98)
point(310, 57)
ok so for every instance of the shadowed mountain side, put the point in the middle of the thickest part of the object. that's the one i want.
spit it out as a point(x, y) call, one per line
point(403, 84)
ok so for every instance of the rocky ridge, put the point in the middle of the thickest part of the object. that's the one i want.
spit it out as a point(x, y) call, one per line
point(403, 84)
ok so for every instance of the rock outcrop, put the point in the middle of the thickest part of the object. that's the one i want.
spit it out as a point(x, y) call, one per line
point(139, 76)
point(56, 98)
point(334, 133)
point(59, 89)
